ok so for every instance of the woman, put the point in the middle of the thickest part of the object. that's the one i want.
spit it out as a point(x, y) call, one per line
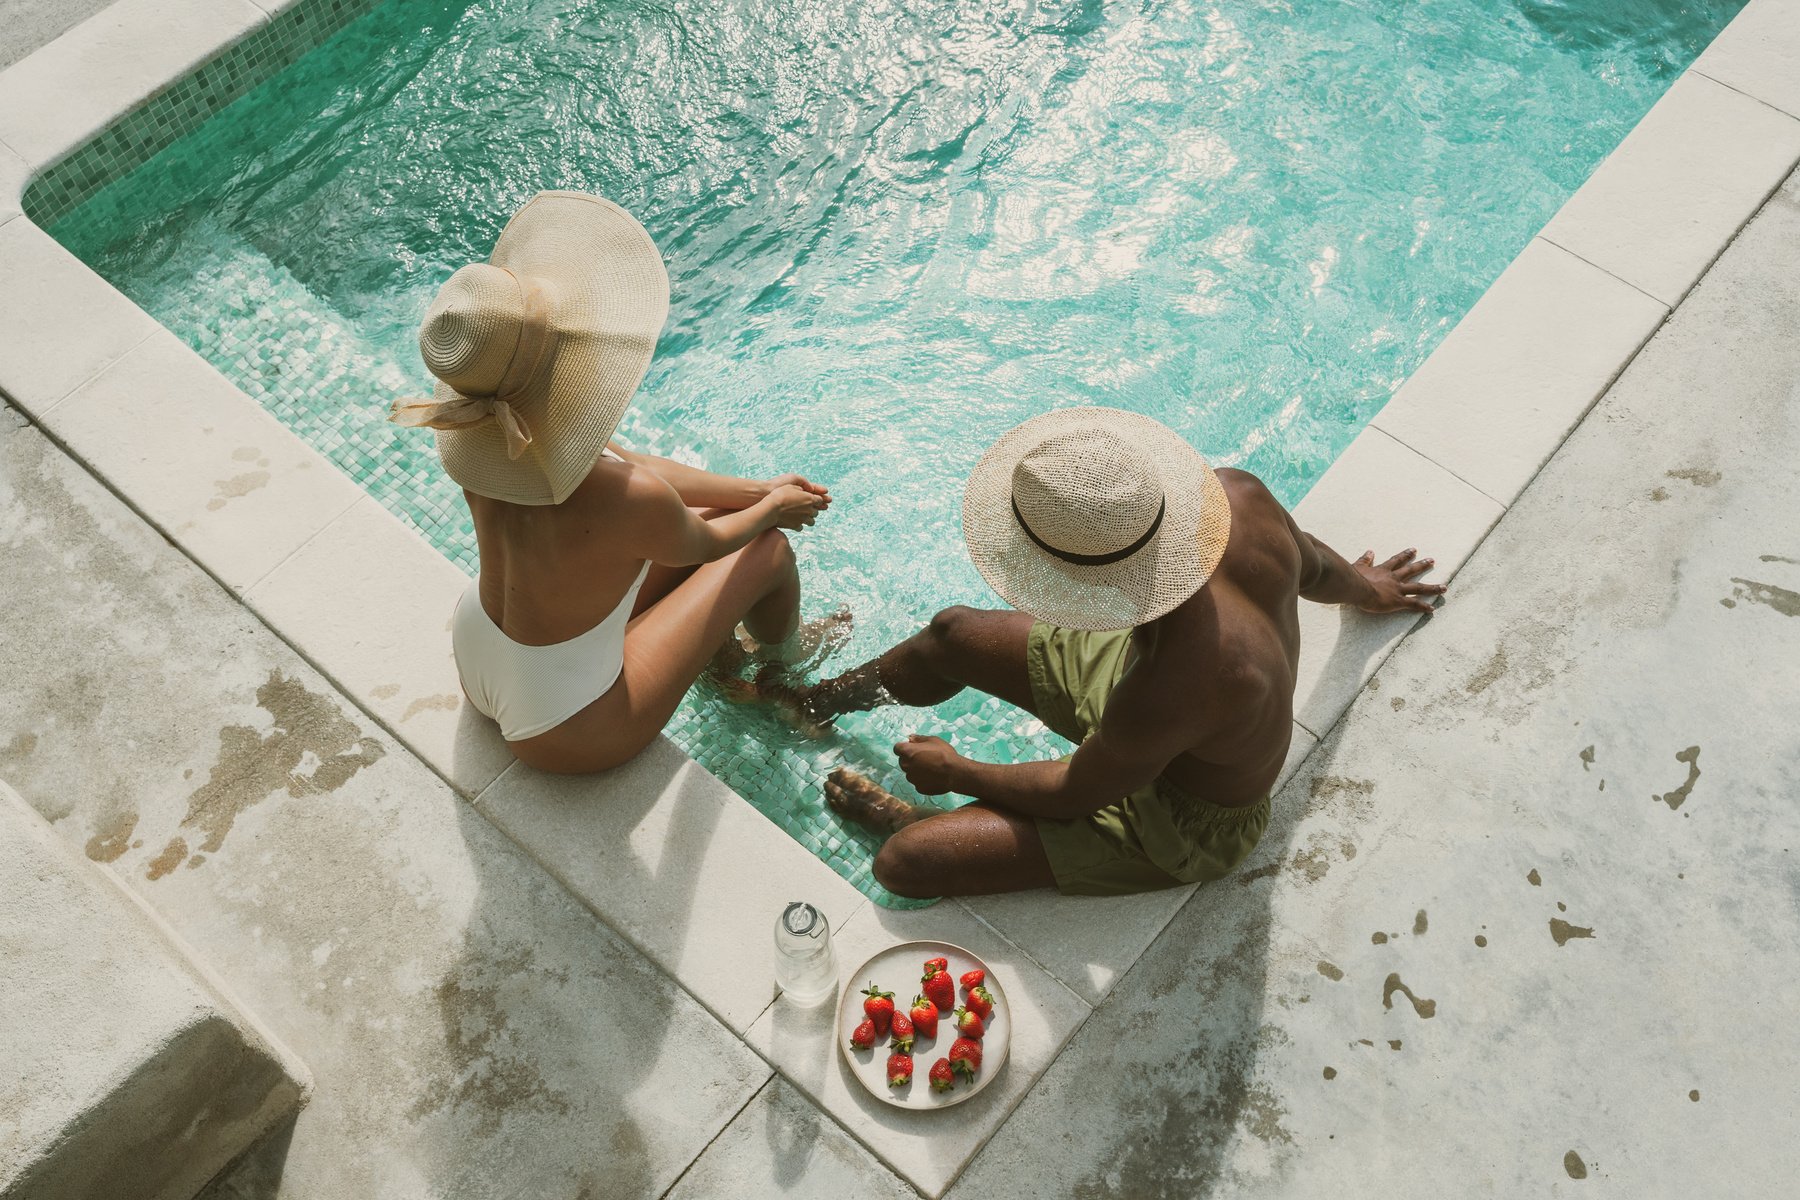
point(608, 579)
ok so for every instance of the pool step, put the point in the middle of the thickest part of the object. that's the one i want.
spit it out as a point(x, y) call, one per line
point(128, 1071)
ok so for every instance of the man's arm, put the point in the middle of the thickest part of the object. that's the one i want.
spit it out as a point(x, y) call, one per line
point(703, 489)
point(1128, 751)
point(1392, 586)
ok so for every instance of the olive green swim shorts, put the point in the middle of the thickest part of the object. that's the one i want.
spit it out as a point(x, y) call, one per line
point(1157, 837)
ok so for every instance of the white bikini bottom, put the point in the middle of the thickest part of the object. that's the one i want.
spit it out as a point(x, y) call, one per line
point(532, 689)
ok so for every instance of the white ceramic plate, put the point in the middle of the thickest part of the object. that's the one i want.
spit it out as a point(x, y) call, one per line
point(898, 969)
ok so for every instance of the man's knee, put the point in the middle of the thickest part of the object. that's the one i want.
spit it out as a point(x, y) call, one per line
point(952, 628)
point(903, 867)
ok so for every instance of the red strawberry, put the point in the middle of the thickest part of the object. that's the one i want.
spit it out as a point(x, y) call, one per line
point(936, 964)
point(880, 1009)
point(924, 1017)
point(864, 1037)
point(942, 1077)
point(969, 1024)
point(938, 988)
point(899, 1069)
point(903, 1033)
point(965, 1057)
point(974, 979)
point(980, 1001)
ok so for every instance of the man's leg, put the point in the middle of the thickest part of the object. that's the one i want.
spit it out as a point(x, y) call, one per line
point(961, 647)
point(975, 850)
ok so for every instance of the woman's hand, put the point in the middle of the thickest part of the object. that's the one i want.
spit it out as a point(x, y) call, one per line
point(793, 507)
point(801, 482)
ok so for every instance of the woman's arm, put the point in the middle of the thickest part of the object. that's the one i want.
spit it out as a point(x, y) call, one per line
point(703, 489)
point(664, 529)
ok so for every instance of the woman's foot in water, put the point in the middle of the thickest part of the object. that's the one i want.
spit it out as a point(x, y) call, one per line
point(860, 799)
point(809, 645)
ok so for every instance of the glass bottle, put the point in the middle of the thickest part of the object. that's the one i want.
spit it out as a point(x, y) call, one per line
point(805, 963)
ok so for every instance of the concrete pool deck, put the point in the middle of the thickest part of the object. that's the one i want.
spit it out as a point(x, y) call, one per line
point(450, 1060)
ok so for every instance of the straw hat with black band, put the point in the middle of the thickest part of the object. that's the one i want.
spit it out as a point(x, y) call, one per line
point(538, 350)
point(1095, 518)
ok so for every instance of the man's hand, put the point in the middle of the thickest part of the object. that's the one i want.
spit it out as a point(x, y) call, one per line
point(928, 763)
point(801, 482)
point(1393, 584)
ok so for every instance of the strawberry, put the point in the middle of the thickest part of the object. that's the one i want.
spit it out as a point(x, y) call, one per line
point(969, 1024)
point(899, 1069)
point(903, 1033)
point(942, 1077)
point(864, 1036)
point(879, 1007)
point(965, 1057)
point(973, 979)
point(924, 1017)
point(980, 1001)
point(938, 988)
point(936, 964)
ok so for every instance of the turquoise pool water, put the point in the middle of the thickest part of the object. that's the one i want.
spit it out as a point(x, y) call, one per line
point(893, 231)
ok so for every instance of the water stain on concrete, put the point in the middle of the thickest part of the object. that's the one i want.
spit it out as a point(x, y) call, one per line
point(1659, 494)
point(1782, 600)
point(1727, 602)
point(386, 691)
point(1485, 677)
point(1379, 939)
point(1312, 863)
point(1574, 1166)
point(1678, 797)
point(1698, 476)
point(237, 485)
point(1561, 907)
point(20, 747)
point(1533, 878)
point(1694, 1095)
point(1480, 940)
point(1357, 795)
point(169, 859)
point(1792, 562)
point(446, 702)
point(1246, 878)
point(488, 1072)
point(1564, 932)
point(1587, 759)
point(246, 454)
point(1330, 970)
point(1331, 1072)
point(1397, 703)
point(1420, 924)
point(312, 749)
point(1364, 1042)
point(112, 837)
point(1425, 1008)
point(1393, 1043)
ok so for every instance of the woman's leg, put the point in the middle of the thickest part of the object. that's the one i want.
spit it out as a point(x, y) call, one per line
point(666, 648)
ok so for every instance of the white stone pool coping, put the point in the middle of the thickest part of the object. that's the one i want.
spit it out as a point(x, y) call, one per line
point(367, 600)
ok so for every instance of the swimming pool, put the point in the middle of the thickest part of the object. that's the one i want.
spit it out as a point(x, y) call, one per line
point(892, 233)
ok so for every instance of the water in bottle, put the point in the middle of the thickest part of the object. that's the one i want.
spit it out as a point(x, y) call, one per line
point(805, 963)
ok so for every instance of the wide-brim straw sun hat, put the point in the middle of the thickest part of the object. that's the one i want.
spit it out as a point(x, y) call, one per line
point(1095, 518)
point(538, 351)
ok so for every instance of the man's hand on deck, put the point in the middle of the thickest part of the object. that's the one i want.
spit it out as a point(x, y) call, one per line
point(1394, 585)
point(928, 763)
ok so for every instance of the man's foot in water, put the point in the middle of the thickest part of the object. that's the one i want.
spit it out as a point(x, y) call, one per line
point(859, 799)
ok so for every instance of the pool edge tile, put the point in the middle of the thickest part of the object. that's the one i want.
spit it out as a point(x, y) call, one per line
point(270, 492)
point(1502, 391)
point(368, 602)
point(1351, 510)
point(1673, 194)
point(67, 328)
point(801, 1043)
point(62, 95)
point(683, 867)
point(1070, 937)
point(1758, 54)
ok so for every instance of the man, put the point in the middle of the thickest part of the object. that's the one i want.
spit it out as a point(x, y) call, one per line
point(1157, 629)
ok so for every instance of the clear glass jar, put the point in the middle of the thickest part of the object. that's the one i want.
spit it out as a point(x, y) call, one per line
point(805, 963)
